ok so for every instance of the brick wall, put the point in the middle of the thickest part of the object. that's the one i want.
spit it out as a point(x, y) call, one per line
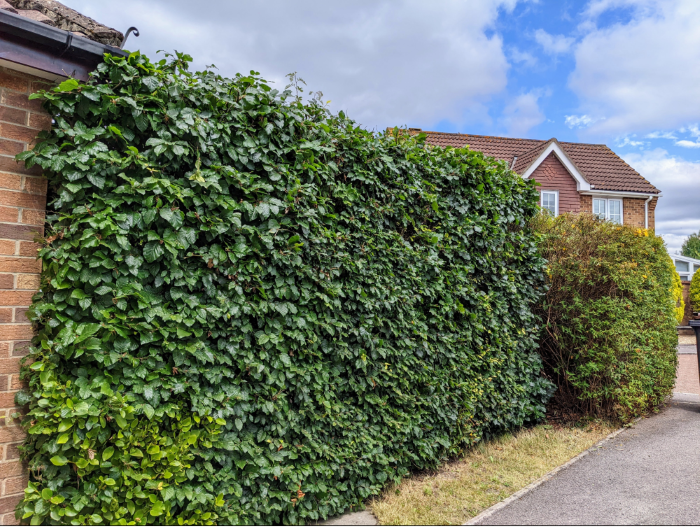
point(553, 176)
point(22, 204)
point(633, 210)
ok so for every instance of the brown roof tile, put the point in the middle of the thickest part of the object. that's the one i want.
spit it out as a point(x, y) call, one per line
point(599, 165)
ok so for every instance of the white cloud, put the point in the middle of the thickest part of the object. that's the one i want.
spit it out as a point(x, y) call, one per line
point(677, 213)
point(642, 75)
point(626, 140)
point(522, 113)
point(689, 144)
point(661, 135)
point(579, 122)
point(522, 57)
point(385, 62)
point(553, 44)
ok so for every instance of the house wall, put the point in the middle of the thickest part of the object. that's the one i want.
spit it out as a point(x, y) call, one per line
point(634, 212)
point(553, 176)
point(22, 205)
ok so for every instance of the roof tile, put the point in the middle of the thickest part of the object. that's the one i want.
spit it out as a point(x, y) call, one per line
point(600, 166)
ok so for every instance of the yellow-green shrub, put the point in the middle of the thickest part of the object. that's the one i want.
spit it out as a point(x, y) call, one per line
point(676, 292)
point(695, 291)
point(609, 336)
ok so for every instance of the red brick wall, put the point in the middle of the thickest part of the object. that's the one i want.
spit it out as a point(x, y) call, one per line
point(634, 212)
point(22, 204)
point(553, 176)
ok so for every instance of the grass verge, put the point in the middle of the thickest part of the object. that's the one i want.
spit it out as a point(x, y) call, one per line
point(487, 474)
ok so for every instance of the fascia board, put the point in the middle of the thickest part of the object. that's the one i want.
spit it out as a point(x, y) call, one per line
point(623, 194)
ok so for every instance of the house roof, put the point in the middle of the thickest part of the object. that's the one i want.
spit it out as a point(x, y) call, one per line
point(55, 14)
point(597, 163)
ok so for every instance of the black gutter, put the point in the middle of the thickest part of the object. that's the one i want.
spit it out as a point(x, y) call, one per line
point(50, 49)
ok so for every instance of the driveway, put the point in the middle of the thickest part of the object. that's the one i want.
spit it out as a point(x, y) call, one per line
point(648, 474)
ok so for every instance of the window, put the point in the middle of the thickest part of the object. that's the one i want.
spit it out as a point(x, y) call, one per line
point(615, 211)
point(599, 208)
point(608, 209)
point(682, 266)
point(550, 201)
point(696, 268)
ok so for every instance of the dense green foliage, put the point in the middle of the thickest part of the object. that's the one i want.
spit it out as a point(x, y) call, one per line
point(254, 311)
point(609, 336)
point(676, 291)
point(695, 291)
point(691, 246)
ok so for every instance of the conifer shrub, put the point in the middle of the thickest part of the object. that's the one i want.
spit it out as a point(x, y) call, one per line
point(609, 324)
point(253, 310)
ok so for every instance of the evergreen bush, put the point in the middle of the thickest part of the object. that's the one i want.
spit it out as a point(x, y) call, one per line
point(695, 291)
point(676, 291)
point(609, 335)
point(255, 311)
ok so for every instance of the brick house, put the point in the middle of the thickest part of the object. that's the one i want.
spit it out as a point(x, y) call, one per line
point(573, 177)
point(41, 43)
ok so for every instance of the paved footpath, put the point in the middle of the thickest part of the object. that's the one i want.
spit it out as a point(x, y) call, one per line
point(648, 474)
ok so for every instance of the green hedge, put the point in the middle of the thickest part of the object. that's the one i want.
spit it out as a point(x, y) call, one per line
point(255, 311)
point(609, 340)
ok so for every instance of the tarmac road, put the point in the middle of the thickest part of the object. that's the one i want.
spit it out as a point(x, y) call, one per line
point(648, 474)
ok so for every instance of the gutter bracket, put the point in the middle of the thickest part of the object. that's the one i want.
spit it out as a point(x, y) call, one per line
point(69, 41)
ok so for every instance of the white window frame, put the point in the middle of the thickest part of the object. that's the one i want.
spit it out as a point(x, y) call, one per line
point(693, 266)
point(556, 200)
point(607, 201)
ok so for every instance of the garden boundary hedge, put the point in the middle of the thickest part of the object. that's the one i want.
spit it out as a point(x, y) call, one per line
point(255, 311)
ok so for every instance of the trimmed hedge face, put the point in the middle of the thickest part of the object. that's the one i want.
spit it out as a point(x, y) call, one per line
point(610, 339)
point(254, 311)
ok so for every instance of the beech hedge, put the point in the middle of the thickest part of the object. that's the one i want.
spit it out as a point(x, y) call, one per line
point(253, 310)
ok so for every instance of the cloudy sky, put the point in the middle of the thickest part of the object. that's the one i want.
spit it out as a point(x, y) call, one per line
point(621, 72)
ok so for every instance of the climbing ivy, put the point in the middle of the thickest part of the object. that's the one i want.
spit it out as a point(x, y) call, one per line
point(255, 311)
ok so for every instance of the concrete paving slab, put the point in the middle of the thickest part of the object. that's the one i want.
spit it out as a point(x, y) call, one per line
point(689, 349)
point(648, 474)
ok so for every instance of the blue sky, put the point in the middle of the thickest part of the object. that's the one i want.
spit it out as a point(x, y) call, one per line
point(621, 72)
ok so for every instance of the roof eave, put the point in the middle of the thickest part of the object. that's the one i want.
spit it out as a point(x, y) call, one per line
point(49, 49)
